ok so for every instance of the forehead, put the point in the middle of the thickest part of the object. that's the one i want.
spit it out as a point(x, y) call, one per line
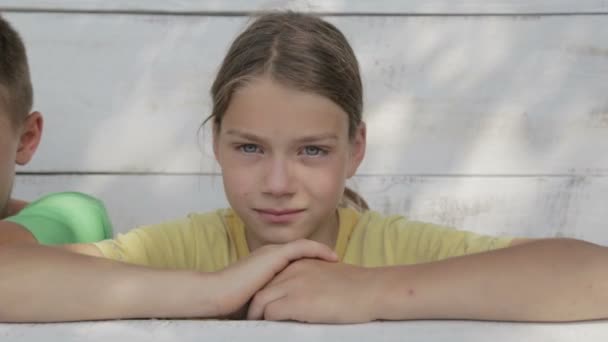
point(269, 108)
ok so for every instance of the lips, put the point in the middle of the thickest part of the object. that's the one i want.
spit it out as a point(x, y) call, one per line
point(279, 215)
point(279, 212)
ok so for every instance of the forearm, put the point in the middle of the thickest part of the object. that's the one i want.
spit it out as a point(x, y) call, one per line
point(14, 206)
point(11, 232)
point(546, 280)
point(44, 284)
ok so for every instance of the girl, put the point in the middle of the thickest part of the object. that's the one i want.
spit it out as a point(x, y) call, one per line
point(287, 133)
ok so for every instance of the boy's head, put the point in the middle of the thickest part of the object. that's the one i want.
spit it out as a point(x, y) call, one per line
point(16, 93)
point(20, 130)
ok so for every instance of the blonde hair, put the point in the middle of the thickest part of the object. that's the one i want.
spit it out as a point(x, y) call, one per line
point(298, 50)
point(351, 199)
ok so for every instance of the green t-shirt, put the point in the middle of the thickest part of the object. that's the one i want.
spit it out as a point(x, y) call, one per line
point(65, 217)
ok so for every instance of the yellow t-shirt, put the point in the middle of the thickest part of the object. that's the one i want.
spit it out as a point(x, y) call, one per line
point(212, 241)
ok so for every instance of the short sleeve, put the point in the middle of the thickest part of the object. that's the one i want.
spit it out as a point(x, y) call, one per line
point(65, 217)
point(425, 242)
point(198, 242)
point(379, 240)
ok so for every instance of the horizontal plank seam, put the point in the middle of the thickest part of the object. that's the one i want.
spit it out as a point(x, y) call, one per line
point(438, 175)
point(321, 13)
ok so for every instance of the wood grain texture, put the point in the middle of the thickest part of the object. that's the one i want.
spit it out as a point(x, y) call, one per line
point(325, 6)
point(514, 206)
point(444, 95)
point(495, 124)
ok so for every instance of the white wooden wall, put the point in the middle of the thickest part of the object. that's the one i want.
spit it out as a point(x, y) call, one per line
point(487, 116)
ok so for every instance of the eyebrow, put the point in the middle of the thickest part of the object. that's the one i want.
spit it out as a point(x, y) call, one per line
point(305, 139)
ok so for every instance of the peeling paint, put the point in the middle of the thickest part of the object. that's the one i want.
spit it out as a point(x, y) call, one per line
point(593, 51)
point(599, 116)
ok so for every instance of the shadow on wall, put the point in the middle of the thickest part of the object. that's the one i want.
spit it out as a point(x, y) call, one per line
point(464, 108)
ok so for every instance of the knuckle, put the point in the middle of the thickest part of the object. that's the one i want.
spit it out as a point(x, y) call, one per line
point(258, 298)
point(265, 296)
point(254, 308)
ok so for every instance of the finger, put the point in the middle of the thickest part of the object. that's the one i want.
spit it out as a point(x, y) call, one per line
point(281, 309)
point(261, 299)
point(308, 249)
point(300, 249)
point(290, 272)
point(285, 275)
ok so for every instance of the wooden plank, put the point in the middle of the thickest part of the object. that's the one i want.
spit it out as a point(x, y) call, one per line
point(515, 206)
point(323, 6)
point(444, 95)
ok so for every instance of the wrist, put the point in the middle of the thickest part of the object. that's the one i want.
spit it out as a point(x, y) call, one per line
point(210, 295)
point(228, 299)
point(192, 295)
point(381, 292)
point(396, 295)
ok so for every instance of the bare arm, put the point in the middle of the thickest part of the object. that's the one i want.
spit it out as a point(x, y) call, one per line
point(543, 280)
point(50, 284)
point(42, 283)
point(535, 280)
point(82, 248)
point(15, 206)
point(11, 232)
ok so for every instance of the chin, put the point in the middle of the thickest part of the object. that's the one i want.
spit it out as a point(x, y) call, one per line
point(281, 235)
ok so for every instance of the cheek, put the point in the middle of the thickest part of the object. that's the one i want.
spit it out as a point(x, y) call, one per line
point(7, 169)
point(234, 175)
point(6, 181)
point(238, 182)
point(326, 182)
point(8, 150)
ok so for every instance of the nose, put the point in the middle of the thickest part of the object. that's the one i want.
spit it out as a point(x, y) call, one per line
point(278, 180)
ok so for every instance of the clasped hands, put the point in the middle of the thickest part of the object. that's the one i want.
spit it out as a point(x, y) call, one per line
point(300, 281)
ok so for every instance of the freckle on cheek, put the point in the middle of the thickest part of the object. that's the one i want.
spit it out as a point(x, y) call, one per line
point(410, 292)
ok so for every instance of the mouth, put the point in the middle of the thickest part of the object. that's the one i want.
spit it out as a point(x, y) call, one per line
point(279, 215)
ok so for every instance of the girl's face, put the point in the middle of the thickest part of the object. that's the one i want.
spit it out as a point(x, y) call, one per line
point(285, 155)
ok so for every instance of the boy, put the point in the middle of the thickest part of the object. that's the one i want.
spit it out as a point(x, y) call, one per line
point(55, 219)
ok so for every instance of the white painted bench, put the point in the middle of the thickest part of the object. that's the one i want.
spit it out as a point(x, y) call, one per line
point(161, 330)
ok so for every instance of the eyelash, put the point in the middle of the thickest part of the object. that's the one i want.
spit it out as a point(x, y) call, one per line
point(320, 151)
point(241, 147)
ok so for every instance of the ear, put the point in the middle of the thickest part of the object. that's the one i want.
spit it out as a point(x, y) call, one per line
point(357, 150)
point(29, 138)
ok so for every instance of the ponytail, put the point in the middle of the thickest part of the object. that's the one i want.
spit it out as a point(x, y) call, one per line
point(351, 199)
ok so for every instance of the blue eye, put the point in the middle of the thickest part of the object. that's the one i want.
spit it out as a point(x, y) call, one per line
point(249, 148)
point(313, 151)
